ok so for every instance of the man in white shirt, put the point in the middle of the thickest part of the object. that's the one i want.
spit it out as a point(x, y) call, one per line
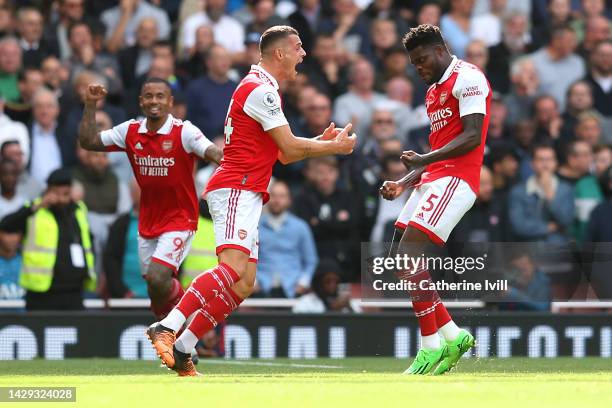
point(12, 130)
point(46, 151)
point(227, 31)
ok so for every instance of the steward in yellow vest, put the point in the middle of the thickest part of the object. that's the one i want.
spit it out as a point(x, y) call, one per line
point(58, 261)
point(202, 255)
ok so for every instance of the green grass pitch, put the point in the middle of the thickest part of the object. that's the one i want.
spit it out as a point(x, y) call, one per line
point(351, 382)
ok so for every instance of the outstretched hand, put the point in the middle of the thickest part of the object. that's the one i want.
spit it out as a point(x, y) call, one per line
point(331, 132)
point(346, 143)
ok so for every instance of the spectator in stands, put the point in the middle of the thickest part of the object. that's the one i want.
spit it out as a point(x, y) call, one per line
point(54, 74)
point(324, 69)
point(57, 252)
point(12, 130)
point(306, 20)
point(498, 132)
point(316, 118)
point(27, 186)
point(104, 195)
point(487, 27)
point(505, 169)
point(135, 61)
point(524, 90)
point(29, 81)
point(597, 29)
point(229, 33)
point(325, 296)
point(600, 77)
point(384, 35)
point(50, 149)
point(386, 9)
point(287, 253)
point(579, 99)
point(588, 10)
point(69, 12)
point(559, 15)
point(529, 287)
point(10, 64)
point(524, 137)
point(387, 211)
point(502, 57)
point(429, 12)
point(10, 199)
point(34, 46)
point(587, 194)
point(84, 57)
point(120, 258)
point(332, 214)
point(264, 16)
point(477, 53)
point(542, 208)
point(122, 22)
point(602, 159)
point(455, 26)
point(348, 26)
point(547, 118)
point(395, 63)
point(356, 105)
point(558, 67)
point(588, 128)
point(195, 64)
point(487, 220)
point(408, 115)
point(10, 265)
point(208, 97)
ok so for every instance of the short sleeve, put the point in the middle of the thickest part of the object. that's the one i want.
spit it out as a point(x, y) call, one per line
point(115, 137)
point(194, 140)
point(471, 89)
point(264, 105)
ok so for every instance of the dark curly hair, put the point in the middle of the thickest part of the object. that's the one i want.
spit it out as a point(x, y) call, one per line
point(425, 34)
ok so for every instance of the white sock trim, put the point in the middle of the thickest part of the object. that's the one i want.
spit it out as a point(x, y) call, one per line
point(174, 320)
point(186, 341)
point(449, 331)
point(431, 342)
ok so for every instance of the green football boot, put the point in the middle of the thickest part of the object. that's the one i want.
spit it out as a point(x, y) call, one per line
point(426, 360)
point(456, 349)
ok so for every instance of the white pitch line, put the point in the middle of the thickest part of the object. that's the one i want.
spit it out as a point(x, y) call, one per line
point(261, 363)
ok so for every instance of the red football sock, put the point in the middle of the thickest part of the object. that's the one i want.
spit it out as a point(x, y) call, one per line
point(206, 286)
point(424, 301)
point(176, 293)
point(442, 315)
point(214, 312)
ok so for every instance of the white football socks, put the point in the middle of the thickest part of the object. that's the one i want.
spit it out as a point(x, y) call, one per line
point(186, 342)
point(449, 331)
point(174, 320)
point(431, 342)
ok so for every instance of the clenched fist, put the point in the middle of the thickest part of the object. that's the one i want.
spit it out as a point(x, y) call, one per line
point(95, 92)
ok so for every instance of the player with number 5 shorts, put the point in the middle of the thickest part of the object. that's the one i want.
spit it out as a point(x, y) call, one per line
point(256, 136)
point(445, 180)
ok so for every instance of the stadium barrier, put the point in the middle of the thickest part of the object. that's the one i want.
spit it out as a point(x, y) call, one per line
point(120, 334)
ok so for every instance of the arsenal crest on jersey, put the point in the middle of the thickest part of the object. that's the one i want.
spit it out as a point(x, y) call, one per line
point(166, 146)
point(443, 96)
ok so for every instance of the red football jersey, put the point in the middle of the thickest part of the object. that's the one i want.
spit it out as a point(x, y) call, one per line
point(163, 165)
point(249, 152)
point(462, 90)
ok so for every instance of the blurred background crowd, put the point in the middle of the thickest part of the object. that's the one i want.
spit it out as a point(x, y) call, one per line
point(547, 174)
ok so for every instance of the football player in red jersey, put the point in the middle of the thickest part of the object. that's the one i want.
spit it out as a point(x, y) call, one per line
point(162, 151)
point(256, 136)
point(445, 181)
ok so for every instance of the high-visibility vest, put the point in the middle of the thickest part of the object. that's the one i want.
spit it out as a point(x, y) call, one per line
point(202, 255)
point(40, 249)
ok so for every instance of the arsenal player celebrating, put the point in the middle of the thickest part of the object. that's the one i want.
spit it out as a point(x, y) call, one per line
point(446, 183)
point(256, 135)
point(162, 151)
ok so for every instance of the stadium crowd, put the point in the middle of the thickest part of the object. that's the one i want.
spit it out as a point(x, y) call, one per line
point(547, 176)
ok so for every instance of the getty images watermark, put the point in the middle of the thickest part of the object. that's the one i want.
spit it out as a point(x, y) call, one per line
point(412, 273)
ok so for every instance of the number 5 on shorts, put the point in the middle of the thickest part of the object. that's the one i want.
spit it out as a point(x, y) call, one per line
point(429, 204)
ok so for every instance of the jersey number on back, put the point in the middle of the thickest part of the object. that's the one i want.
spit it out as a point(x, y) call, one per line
point(228, 129)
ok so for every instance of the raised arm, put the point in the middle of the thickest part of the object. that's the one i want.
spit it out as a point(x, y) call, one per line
point(294, 148)
point(89, 137)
